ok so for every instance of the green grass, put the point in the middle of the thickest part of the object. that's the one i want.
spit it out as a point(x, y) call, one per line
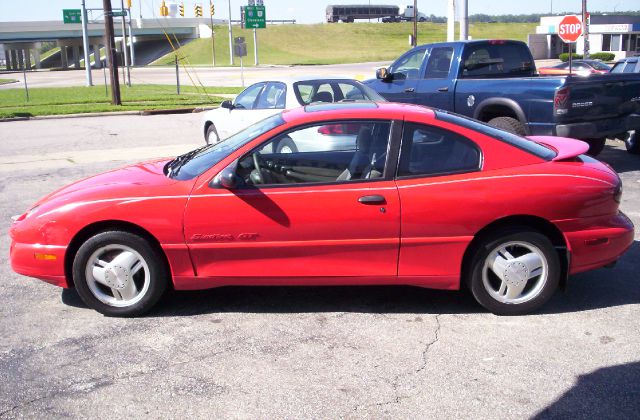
point(334, 43)
point(5, 81)
point(74, 100)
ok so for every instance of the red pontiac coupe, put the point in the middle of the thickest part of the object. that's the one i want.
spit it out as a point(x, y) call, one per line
point(417, 197)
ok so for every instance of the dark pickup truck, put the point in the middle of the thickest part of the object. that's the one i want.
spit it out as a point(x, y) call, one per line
point(496, 82)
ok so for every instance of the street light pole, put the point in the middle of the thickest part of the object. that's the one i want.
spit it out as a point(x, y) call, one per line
point(585, 29)
point(85, 46)
point(124, 43)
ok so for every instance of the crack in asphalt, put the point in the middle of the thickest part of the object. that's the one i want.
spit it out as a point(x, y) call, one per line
point(396, 380)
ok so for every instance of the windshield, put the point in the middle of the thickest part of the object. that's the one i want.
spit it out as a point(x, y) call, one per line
point(326, 90)
point(599, 66)
point(197, 161)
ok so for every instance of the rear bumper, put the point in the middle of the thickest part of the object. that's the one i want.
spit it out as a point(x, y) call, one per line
point(44, 262)
point(597, 241)
point(600, 128)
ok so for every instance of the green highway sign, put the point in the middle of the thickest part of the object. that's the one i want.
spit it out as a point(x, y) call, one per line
point(71, 15)
point(119, 13)
point(254, 17)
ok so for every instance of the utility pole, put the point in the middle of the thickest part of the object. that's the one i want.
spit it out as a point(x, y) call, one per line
point(585, 29)
point(464, 20)
point(124, 43)
point(415, 23)
point(111, 53)
point(230, 36)
point(85, 46)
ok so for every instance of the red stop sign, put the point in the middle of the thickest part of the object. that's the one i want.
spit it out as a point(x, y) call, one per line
point(570, 28)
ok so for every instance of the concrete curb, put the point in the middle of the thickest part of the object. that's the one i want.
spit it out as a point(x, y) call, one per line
point(110, 114)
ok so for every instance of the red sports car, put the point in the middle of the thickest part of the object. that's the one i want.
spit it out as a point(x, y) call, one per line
point(417, 197)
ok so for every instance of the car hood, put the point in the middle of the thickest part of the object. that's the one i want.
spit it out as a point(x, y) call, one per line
point(146, 179)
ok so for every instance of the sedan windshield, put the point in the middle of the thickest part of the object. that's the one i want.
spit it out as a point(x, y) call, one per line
point(197, 161)
point(599, 66)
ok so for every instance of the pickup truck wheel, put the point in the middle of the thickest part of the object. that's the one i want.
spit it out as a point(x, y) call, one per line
point(632, 143)
point(509, 124)
point(595, 146)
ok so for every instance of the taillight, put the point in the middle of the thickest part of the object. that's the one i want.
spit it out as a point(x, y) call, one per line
point(561, 101)
point(497, 42)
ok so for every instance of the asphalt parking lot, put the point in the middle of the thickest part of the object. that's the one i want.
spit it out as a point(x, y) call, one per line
point(355, 352)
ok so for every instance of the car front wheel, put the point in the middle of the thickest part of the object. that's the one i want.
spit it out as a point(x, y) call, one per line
point(514, 272)
point(212, 135)
point(632, 143)
point(119, 274)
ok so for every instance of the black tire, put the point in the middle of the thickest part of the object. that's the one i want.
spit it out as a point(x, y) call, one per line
point(158, 273)
point(211, 134)
point(286, 143)
point(509, 124)
point(632, 143)
point(596, 146)
point(474, 275)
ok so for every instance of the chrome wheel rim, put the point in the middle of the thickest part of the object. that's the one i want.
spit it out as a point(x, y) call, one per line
point(117, 275)
point(515, 272)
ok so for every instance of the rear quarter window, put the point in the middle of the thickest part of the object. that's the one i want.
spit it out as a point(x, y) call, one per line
point(520, 142)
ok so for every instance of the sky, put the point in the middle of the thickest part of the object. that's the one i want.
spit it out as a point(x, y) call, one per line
point(304, 11)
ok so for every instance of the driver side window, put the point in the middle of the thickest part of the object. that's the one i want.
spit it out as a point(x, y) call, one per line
point(408, 66)
point(247, 98)
point(322, 153)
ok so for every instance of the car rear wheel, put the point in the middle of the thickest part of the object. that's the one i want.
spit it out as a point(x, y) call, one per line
point(509, 124)
point(596, 146)
point(514, 272)
point(119, 274)
point(632, 143)
point(212, 135)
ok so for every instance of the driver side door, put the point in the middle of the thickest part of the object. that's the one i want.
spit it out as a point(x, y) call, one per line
point(405, 75)
point(235, 119)
point(330, 212)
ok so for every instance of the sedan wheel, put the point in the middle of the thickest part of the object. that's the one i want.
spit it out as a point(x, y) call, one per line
point(515, 273)
point(119, 274)
point(212, 135)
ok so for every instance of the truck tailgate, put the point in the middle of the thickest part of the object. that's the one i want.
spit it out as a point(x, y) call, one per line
point(598, 97)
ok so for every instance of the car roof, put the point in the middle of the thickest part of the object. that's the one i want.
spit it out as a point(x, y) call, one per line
point(356, 110)
point(289, 80)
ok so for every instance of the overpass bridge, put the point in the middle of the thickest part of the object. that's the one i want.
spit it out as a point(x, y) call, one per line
point(21, 40)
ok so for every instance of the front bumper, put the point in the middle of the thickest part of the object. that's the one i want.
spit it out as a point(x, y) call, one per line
point(44, 262)
point(600, 128)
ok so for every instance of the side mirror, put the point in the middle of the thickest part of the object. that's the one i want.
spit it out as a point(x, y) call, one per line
point(227, 178)
point(383, 74)
point(227, 104)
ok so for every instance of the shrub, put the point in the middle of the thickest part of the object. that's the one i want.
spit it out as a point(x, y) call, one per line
point(604, 56)
point(565, 56)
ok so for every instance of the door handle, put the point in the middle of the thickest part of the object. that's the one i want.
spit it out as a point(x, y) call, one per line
point(409, 90)
point(443, 89)
point(372, 199)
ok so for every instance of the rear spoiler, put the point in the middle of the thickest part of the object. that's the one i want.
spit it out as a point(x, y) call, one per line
point(564, 147)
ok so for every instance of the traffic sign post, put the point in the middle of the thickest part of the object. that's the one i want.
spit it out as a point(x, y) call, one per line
point(569, 30)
